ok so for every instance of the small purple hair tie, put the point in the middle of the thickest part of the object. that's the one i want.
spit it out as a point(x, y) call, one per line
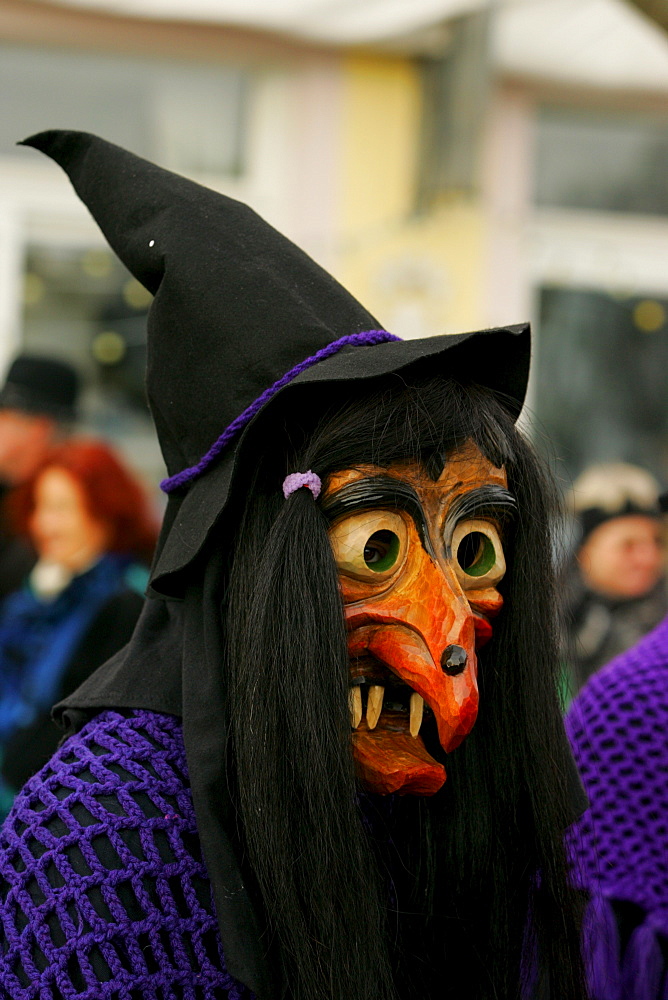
point(296, 480)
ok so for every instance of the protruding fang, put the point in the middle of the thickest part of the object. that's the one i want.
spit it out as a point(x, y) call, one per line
point(374, 705)
point(355, 703)
point(417, 708)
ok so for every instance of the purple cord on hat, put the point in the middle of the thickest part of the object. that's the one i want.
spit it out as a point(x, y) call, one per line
point(365, 339)
point(296, 480)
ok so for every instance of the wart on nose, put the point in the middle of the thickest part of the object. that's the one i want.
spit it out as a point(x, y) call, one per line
point(454, 660)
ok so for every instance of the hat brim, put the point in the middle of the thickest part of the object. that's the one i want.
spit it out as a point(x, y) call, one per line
point(498, 358)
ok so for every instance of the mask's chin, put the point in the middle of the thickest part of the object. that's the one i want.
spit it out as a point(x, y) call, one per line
point(390, 755)
point(388, 762)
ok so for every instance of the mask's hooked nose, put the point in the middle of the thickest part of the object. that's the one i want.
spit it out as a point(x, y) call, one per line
point(454, 660)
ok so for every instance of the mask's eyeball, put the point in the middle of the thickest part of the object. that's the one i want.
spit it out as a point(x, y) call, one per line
point(478, 554)
point(370, 546)
point(381, 551)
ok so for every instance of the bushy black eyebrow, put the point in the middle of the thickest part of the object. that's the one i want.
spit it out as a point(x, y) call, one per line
point(491, 502)
point(374, 492)
point(486, 502)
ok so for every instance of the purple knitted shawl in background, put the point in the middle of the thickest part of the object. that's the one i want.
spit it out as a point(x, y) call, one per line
point(618, 726)
point(103, 890)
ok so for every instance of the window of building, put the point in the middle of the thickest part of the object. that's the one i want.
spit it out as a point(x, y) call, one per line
point(186, 116)
point(606, 162)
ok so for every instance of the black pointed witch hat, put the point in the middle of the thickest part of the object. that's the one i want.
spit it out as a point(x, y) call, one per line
point(241, 318)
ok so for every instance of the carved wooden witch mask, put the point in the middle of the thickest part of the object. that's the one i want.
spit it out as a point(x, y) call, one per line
point(419, 561)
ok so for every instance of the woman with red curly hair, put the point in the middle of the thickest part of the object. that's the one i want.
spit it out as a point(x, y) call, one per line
point(91, 525)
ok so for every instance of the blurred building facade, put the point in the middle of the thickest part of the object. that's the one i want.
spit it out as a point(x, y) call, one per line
point(503, 163)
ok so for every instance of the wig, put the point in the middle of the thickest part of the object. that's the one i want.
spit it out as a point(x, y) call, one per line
point(112, 494)
point(369, 898)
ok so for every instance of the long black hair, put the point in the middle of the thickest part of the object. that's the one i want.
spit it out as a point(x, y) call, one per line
point(461, 895)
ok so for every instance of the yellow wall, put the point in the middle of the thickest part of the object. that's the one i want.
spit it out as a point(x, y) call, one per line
point(380, 137)
point(419, 274)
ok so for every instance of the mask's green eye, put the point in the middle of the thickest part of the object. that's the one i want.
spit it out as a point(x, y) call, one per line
point(370, 546)
point(381, 551)
point(478, 554)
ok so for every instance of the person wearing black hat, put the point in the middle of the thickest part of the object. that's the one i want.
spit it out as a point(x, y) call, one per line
point(252, 798)
point(37, 401)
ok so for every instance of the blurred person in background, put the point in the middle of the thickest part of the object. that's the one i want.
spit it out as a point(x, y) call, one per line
point(37, 403)
point(91, 526)
point(616, 587)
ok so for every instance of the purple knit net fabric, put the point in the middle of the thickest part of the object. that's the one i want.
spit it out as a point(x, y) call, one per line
point(618, 727)
point(103, 890)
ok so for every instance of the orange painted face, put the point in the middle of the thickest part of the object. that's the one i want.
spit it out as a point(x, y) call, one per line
point(419, 565)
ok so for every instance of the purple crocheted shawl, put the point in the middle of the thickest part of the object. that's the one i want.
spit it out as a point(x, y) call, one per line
point(618, 726)
point(103, 890)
